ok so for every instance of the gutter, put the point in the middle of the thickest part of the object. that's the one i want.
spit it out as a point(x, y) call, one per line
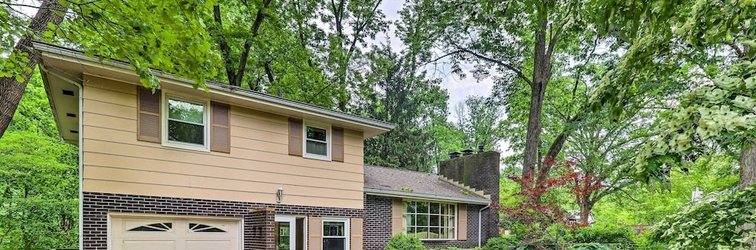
point(402, 194)
point(81, 141)
point(480, 220)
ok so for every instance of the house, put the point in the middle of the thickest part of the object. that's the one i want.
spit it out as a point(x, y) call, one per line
point(223, 168)
point(451, 209)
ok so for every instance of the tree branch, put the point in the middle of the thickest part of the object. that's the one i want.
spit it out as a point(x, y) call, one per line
point(500, 63)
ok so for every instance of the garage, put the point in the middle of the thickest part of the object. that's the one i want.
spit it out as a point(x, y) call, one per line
point(163, 233)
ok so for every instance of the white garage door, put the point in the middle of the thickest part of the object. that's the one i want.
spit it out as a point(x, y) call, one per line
point(157, 233)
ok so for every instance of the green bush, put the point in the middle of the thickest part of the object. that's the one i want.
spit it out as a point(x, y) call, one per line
point(604, 233)
point(589, 246)
point(500, 243)
point(405, 242)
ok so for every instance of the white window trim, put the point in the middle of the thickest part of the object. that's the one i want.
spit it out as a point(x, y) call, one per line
point(164, 119)
point(456, 218)
point(347, 232)
point(306, 124)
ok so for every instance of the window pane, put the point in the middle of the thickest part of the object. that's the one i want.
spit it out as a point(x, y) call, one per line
point(422, 232)
point(316, 133)
point(444, 233)
point(434, 220)
point(407, 220)
point(186, 111)
point(422, 207)
point(334, 244)
point(409, 206)
point(433, 233)
point(435, 208)
point(185, 132)
point(333, 228)
point(319, 148)
point(422, 220)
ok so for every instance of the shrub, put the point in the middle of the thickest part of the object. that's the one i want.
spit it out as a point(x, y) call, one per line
point(605, 233)
point(500, 243)
point(589, 246)
point(405, 242)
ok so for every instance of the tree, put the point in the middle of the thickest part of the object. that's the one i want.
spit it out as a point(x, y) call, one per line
point(17, 67)
point(409, 100)
point(479, 119)
point(38, 179)
point(718, 113)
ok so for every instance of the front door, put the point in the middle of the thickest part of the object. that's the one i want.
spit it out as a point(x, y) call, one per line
point(290, 231)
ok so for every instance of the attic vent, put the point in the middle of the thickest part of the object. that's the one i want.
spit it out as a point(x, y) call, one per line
point(74, 131)
point(68, 92)
point(70, 115)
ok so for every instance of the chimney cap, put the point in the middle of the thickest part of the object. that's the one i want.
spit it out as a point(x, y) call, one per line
point(467, 152)
point(454, 154)
point(480, 148)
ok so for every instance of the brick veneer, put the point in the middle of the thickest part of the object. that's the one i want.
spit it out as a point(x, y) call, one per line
point(256, 223)
point(377, 229)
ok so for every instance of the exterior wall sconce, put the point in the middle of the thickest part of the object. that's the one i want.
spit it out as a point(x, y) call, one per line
point(279, 195)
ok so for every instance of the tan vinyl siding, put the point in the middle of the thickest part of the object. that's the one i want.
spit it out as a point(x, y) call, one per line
point(259, 162)
point(397, 213)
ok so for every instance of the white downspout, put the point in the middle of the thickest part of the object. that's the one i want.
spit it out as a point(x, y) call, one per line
point(81, 151)
point(480, 233)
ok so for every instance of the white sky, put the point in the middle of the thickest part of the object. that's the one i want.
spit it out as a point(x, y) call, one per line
point(458, 88)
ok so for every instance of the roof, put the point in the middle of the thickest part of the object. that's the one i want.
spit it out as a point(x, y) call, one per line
point(394, 182)
point(74, 63)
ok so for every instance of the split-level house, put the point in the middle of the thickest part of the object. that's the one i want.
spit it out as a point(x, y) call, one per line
point(228, 168)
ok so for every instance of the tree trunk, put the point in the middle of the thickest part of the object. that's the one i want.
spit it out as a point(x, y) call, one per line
point(541, 75)
point(12, 90)
point(585, 210)
point(747, 166)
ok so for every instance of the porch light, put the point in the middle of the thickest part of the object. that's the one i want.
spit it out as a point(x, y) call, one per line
point(279, 195)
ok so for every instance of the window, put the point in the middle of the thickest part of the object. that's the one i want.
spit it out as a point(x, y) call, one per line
point(316, 141)
point(335, 233)
point(196, 227)
point(430, 220)
point(186, 123)
point(155, 227)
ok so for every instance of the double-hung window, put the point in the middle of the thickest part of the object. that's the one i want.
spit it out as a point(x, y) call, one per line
point(430, 220)
point(186, 123)
point(317, 139)
point(335, 233)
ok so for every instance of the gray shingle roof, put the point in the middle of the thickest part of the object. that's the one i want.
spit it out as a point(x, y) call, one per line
point(405, 183)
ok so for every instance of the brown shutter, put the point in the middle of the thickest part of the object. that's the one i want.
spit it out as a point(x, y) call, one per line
point(315, 232)
point(148, 115)
point(462, 222)
point(295, 137)
point(220, 128)
point(397, 210)
point(337, 145)
point(355, 229)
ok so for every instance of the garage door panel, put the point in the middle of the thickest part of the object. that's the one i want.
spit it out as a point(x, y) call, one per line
point(207, 244)
point(148, 245)
point(174, 233)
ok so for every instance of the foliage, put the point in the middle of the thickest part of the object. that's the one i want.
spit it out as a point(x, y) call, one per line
point(604, 233)
point(588, 246)
point(38, 179)
point(479, 119)
point(405, 242)
point(504, 242)
point(721, 220)
point(410, 101)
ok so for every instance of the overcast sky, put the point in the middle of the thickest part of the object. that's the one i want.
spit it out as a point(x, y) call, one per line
point(458, 88)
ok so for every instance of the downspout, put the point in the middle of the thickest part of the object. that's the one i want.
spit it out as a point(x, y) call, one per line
point(480, 227)
point(81, 151)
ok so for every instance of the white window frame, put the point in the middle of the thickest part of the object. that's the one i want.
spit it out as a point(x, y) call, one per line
point(347, 232)
point(206, 117)
point(327, 128)
point(456, 218)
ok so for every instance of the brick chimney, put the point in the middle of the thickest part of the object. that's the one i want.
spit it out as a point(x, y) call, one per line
point(479, 171)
